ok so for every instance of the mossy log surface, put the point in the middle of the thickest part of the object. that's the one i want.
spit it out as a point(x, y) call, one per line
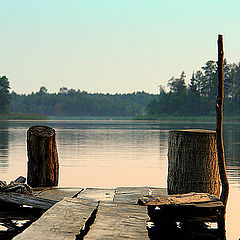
point(193, 162)
point(43, 166)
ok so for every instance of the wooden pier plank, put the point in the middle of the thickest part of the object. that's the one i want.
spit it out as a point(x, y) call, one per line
point(21, 213)
point(157, 191)
point(180, 199)
point(97, 194)
point(63, 221)
point(115, 220)
point(59, 193)
point(22, 199)
point(130, 194)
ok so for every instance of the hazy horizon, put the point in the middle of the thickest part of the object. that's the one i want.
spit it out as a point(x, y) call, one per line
point(104, 46)
point(82, 90)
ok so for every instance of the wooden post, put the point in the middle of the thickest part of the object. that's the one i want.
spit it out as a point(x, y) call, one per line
point(219, 121)
point(193, 162)
point(43, 163)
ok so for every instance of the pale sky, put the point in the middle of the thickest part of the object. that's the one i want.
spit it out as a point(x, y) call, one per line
point(112, 46)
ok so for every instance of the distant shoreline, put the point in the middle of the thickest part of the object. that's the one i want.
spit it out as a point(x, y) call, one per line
point(204, 119)
point(22, 116)
point(186, 118)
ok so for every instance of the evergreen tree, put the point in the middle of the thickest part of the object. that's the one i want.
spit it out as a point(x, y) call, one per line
point(4, 94)
point(209, 82)
point(199, 97)
point(177, 85)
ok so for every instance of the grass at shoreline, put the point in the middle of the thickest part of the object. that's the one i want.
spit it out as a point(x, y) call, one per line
point(22, 116)
point(204, 119)
point(186, 118)
point(90, 118)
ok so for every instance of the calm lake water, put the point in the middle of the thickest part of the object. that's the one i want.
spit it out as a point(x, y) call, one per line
point(116, 153)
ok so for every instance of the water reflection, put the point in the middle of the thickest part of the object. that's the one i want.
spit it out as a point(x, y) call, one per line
point(232, 153)
point(108, 148)
point(4, 141)
point(110, 156)
point(116, 153)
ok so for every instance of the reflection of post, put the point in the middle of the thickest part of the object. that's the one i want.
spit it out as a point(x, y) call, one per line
point(219, 113)
point(43, 164)
point(4, 141)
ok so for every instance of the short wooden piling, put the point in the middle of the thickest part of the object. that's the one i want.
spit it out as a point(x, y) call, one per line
point(193, 162)
point(43, 166)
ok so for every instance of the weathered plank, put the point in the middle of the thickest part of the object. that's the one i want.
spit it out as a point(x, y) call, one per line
point(20, 179)
point(97, 194)
point(157, 191)
point(194, 208)
point(58, 193)
point(130, 194)
point(38, 190)
point(63, 221)
point(179, 199)
point(21, 213)
point(116, 220)
point(21, 199)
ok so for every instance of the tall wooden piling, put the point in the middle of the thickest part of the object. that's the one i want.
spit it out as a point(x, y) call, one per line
point(219, 122)
point(43, 166)
point(193, 162)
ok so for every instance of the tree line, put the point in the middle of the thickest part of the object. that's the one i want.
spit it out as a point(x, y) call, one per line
point(198, 97)
point(195, 98)
point(4, 94)
point(71, 102)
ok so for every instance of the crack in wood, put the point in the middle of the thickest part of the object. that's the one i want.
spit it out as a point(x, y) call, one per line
point(85, 229)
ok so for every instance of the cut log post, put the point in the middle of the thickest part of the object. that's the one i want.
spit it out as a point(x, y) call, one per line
point(43, 166)
point(193, 162)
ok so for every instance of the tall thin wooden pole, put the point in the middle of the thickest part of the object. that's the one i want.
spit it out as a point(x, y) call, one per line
point(219, 116)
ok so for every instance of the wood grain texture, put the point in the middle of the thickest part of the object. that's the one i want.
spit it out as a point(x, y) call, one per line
point(130, 194)
point(154, 191)
point(180, 199)
point(219, 123)
point(63, 221)
point(119, 221)
point(22, 199)
point(97, 194)
point(58, 193)
point(20, 213)
point(117, 217)
point(43, 165)
point(193, 162)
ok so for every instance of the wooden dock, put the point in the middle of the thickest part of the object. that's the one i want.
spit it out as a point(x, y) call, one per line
point(186, 216)
point(96, 213)
point(92, 213)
